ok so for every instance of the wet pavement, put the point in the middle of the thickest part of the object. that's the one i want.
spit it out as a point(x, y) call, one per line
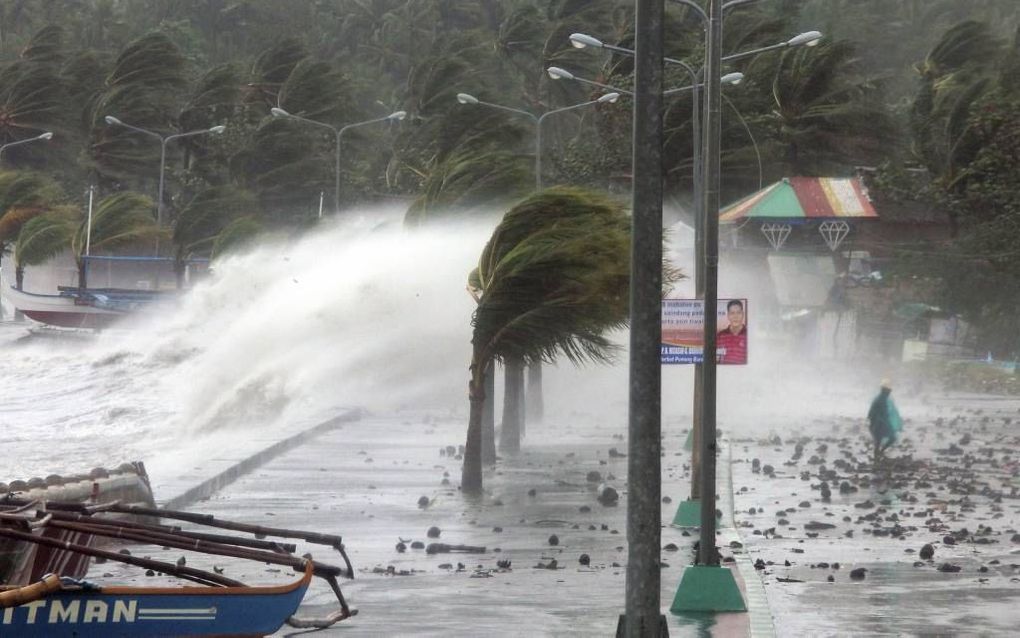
point(364, 481)
point(951, 484)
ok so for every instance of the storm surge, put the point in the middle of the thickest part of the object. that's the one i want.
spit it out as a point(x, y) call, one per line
point(357, 313)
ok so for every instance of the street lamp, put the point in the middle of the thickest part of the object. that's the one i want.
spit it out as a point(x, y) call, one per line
point(557, 73)
point(608, 98)
point(163, 139)
point(338, 133)
point(41, 137)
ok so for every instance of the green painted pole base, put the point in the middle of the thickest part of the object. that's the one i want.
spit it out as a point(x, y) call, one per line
point(705, 588)
point(688, 514)
point(689, 443)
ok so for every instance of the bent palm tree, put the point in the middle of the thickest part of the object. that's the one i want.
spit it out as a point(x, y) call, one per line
point(122, 219)
point(43, 237)
point(548, 286)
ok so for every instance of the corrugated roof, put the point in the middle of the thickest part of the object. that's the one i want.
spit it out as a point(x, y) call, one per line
point(804, 197)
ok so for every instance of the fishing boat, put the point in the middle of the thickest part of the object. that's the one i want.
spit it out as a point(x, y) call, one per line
point(83, 308)
point(22, 563)
point(128, 286)
point(57, 605)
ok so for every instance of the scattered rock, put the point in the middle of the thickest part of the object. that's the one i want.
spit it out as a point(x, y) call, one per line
point(858, 573)
point(927, 551)
point(433, 532)
point(584, 560)
point(554, 540)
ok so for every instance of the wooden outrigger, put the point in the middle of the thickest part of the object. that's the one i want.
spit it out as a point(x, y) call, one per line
point(221, 606)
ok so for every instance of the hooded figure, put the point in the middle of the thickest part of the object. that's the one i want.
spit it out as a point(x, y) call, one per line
point(884, 420)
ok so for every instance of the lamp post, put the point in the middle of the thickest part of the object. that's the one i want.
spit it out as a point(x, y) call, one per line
point(163, 139)
point(338, 133)
point(608, 98)
point(688, 512)
point(42, 137)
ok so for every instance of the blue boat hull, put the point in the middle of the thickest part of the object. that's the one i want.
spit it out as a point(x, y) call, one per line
point(137, 611)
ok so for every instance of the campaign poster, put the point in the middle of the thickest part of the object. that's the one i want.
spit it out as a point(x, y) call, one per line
point(683, 329)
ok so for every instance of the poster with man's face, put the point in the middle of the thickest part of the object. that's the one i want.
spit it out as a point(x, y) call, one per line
point(683, 331)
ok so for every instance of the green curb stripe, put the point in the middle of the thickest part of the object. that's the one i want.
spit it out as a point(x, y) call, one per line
point(759, 613)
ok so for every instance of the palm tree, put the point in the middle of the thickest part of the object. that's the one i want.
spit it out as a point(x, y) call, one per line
point(145, 89)
point(43, 237)
point(550, 278)
point(202, 221)
point(120, 220)
point(958, 70)
point(23, 196)
point(827, 117)
point(237, 235)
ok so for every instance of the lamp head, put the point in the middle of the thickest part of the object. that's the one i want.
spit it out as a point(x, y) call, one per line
point(278, 112)
point(218, 129)
point(397, 115)
point(465, 98)
point(557, 73)
point(732, 78)
point(48, 135)
point(611, 98)
point(808, 38)
point(582, 40)
point(109, 119)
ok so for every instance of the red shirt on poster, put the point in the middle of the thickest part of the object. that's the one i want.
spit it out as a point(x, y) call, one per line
point(730, 347)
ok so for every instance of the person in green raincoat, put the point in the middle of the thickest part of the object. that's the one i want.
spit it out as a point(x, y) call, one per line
point(884, 420)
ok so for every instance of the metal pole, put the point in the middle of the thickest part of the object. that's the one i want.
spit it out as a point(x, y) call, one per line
point(88, 224)
point(713, 117)
point(699, 286)
point(538, 153)
point(162, 170)
point(336, 186)
point(159, 197)
point(645, 418)
point(321, 195)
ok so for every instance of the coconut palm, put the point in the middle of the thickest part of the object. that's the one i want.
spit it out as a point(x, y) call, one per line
point(122, 219)
point(547, 277)
point(237, 235)
point(958, 70)
point(43, 237)
point(145, 89)
point(203, 219)
point(23, 196)
point(827, 117)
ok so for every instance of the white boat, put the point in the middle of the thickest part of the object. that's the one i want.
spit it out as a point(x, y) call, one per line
point(90, 308)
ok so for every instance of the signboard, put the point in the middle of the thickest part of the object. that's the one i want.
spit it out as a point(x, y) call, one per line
point(683, 330)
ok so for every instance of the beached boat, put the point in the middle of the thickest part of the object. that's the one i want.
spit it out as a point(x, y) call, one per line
point(84, 308)
point(22, 563)
point(56, 605)
point(112, 288)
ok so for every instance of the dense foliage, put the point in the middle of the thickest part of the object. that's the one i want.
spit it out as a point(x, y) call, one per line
point(911, 83)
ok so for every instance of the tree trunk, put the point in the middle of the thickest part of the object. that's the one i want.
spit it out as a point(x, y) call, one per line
point(19, 277)
point(179, 268)
point(82, 276)
point(471, 473)
point(510, 435)
point(535, 404)
point(489, 417)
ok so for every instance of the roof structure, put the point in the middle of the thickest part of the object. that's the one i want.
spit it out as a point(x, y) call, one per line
point(804, 198)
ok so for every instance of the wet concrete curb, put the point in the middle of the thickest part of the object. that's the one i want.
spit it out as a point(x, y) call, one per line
point(759, 613)
point(226, 477)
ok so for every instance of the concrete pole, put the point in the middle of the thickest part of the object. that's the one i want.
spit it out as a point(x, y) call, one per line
point(711, 155)
point(699, 284)
point(645, 417)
